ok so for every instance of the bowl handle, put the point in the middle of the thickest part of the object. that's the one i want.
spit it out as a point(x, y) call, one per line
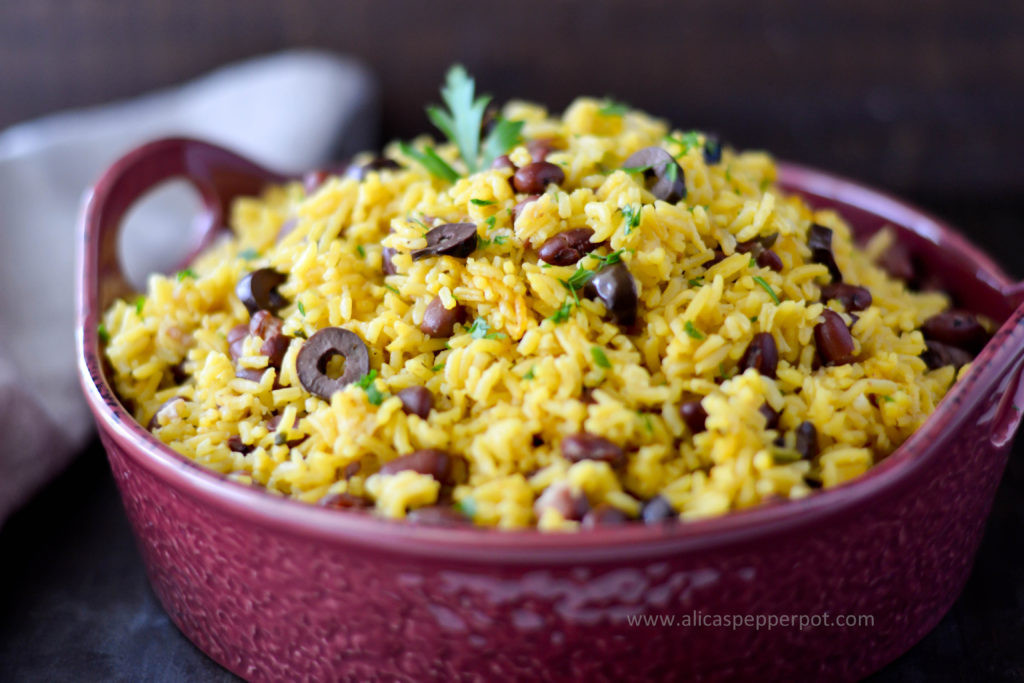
point(219, 176)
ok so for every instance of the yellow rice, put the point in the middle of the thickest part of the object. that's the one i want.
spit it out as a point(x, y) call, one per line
point(503, 404)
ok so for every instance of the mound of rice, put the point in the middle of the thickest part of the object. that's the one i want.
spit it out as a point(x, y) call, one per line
point(517, 378)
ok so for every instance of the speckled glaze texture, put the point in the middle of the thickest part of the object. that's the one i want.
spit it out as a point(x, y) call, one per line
point(277, 590)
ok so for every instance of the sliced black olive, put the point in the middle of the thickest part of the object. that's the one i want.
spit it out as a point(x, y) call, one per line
point(568, 247)
point(378, 164)
point(712, 149)
point(762, 354)
point(670, 185)
point(258, 291)
point(852, 297)
point(450, 239)
point(807, 440)
point(615, 287)
point(819, 239)
point(318, 350)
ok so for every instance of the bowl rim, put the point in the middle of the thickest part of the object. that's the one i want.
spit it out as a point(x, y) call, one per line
point(486, 545)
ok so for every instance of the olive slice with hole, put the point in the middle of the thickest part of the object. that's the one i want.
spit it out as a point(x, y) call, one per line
point(258, 291)
point(312, 359)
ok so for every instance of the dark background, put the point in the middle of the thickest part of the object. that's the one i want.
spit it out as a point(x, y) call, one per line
point(923, 98)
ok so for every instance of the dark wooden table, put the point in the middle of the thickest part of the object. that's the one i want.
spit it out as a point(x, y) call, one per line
point(75, 604)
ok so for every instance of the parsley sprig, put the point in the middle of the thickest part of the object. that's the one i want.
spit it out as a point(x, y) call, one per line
point(461, 121)
point(367, 384)
point(481, 330)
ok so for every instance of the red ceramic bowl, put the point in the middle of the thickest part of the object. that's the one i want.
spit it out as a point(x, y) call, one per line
point(275, 589)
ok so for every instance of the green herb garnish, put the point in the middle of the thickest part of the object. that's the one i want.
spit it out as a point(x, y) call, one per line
point(785, 455)
point(613, 108)
point(373, 394)
point(632, 214)
point(696, 282)
point(280, 439)
point(563, 312)
point(767, 287)
point(529, 373)
point(480, 330)
point(490, 222)
point(467, 507)
point(139, 303)
point(672, 172)
point(101, 331)
point(462, 122)
point(636, 169)
point(686, 141)
point(599, 358)
point(608, 259)
point(692, 330)
point(482, 202)
point(888, 399)
point(393, 289)
point(188, 272)
point(429, 159)
point(361, 251)
point(302, 309)
point(301, 334)
point(438, 368)
point(752, 263)
point(249, 253)
point(647, 421)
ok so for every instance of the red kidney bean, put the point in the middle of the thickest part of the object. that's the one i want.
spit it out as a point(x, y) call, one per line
point(236, 445)
point(317, 351)
point(451, 239)
point(236, 340)
point(771, 416)
point(939, 355)
point(852, 298)
point(603, 515)
point(669, 184)
point(561, 498)
point(345, 501)
point(819, 239)
point(251, 374)
point(807, 440)
point(437, 515)
point(694, 416)
point(503, 162)
point(386, 264)
point(586, 446)
point(178, 373)
point(769, 259)
point(540, 148)
point(897, 262)
point(761, 354)
point(416, 401)
point(757, 246)
point(717, 257)
point(258, 290)
point(274, 348)
point(264, 324)
point(436, 463)
point(518, 208)
point(439, 321)
point(350, 470)
point(956, 328)
point(833, 340)
point(568, 247)
point(658, 509)
point(534, 178)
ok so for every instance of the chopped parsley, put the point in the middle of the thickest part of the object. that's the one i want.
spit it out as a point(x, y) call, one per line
point(373, 394)
point(139, 304)
point(692, 330)
point(672, 172)
point(753, 262)
point(609, 259)
point(490, 222)
point(101, 331)
point(429, 159)
point(420, 223)
point(613, 108)
point(361, 251)
point(529, 373)
point(482, 202)
point(632, 214)
point(563, 312)
point(753, 319)
point(438, 368)
point(188, 272)
point(467, 507)
point(481, 330)
point(486, 242)
point(637, 169)
point(888, 399)
point(696, 282)
point(686, 141)
point(249, 253)
point(462, 122)
point(301, 334)
point(302, 309)
point(393, 289)
point(280, 439)
point(599, 358)
point(785, 455)
point(767, 287)
point(647, 421)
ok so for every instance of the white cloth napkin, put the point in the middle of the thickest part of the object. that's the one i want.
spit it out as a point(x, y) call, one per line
point(289, 112)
